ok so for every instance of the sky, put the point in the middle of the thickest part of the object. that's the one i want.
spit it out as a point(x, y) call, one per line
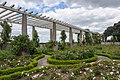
point(95, 15)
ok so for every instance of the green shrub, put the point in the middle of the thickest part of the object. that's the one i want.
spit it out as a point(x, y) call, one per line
point(65, 62)
point(76, 71)
point(72, 78)
point(28, 67)
point(64, 69)
point(109, 55)
point(73, 54)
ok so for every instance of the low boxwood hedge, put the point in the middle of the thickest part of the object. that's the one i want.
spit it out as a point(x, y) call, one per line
point(18, 75)
point(28, 67)
point(109, 55)
point(66, 62)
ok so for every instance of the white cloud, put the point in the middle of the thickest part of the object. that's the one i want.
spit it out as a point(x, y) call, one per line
point(97, 18)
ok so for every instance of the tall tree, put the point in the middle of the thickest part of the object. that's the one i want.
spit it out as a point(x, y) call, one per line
point(35, 39)
point(6, 32)
point(88, 38)
point(63, 36)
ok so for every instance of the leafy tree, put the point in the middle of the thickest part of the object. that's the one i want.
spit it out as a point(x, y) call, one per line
point(5, 34)
point(34, 44)
point(113, 31)
point(35, 40)
point(20, 44)
point(88, 38)
point(63, 38)
point(97, 38)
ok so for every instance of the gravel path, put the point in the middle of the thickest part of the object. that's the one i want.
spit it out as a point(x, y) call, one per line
point(102, 58)
point(43, 61)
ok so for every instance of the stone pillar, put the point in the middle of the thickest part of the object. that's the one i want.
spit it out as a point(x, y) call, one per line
point(70, 37)
point(50, 34)
point(24, 24)
point(92, 37)
point(33, 31)
point(54, 36)
point(80, 36)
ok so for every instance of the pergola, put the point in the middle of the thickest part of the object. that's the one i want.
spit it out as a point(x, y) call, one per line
point(26, 18)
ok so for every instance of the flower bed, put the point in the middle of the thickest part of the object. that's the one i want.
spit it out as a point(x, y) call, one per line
point(103, 70)
point(17, 69)
point(17, 61)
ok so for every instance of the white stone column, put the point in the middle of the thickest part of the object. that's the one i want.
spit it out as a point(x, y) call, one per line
point(70, 37)
point(91, 37)
point(50, 34)
point(54, 36)
point(33, 31)
point(80, 37)
point(24, 24)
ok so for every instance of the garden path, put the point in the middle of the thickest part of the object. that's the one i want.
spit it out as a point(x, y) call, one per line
point(103, 58)
point(43, 61)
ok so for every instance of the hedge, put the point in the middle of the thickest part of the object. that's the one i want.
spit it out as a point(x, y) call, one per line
point(109, 55)
point(28, 67)
point(66, 62)
point(17, 75)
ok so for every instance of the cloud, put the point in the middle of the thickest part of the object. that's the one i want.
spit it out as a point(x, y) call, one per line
point(94, 3)
point(95, 19)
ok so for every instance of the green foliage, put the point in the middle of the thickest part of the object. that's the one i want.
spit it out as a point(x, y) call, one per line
point(28, 67)
point(6, 54)
point(113, 31)
point(20, 44)
point(73, 54)
point(62, 44)
point(88, 38)
point(64, 69)
point(35, 40)
point(63, 36)
point(5, 35)
point(65, 62)
point(50, 44)
point(72, 78)
point(96, 38)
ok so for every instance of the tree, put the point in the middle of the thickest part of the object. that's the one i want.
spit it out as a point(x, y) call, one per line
point(88, 38)
point(20, 45)
point(35, 40)
point(113, 31)
point(34, 44)
point(6, 32)
point(63, 38)
point(97, 38)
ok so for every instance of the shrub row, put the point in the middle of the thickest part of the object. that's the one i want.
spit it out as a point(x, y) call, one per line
point(66, 62)
point(109, 55)
point(17, 75)
point(28, 67)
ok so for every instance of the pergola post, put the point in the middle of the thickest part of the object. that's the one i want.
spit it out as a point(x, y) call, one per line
point(33, 31)
point(54, 36)
point(24, 24)
point(50, 34)
point(91, 37)
point(80, 37)
point(70, 37)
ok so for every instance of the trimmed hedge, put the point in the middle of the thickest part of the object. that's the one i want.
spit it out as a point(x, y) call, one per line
point(28, 67)
point(66, 62)
point(109, 55)
point(17, 75)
